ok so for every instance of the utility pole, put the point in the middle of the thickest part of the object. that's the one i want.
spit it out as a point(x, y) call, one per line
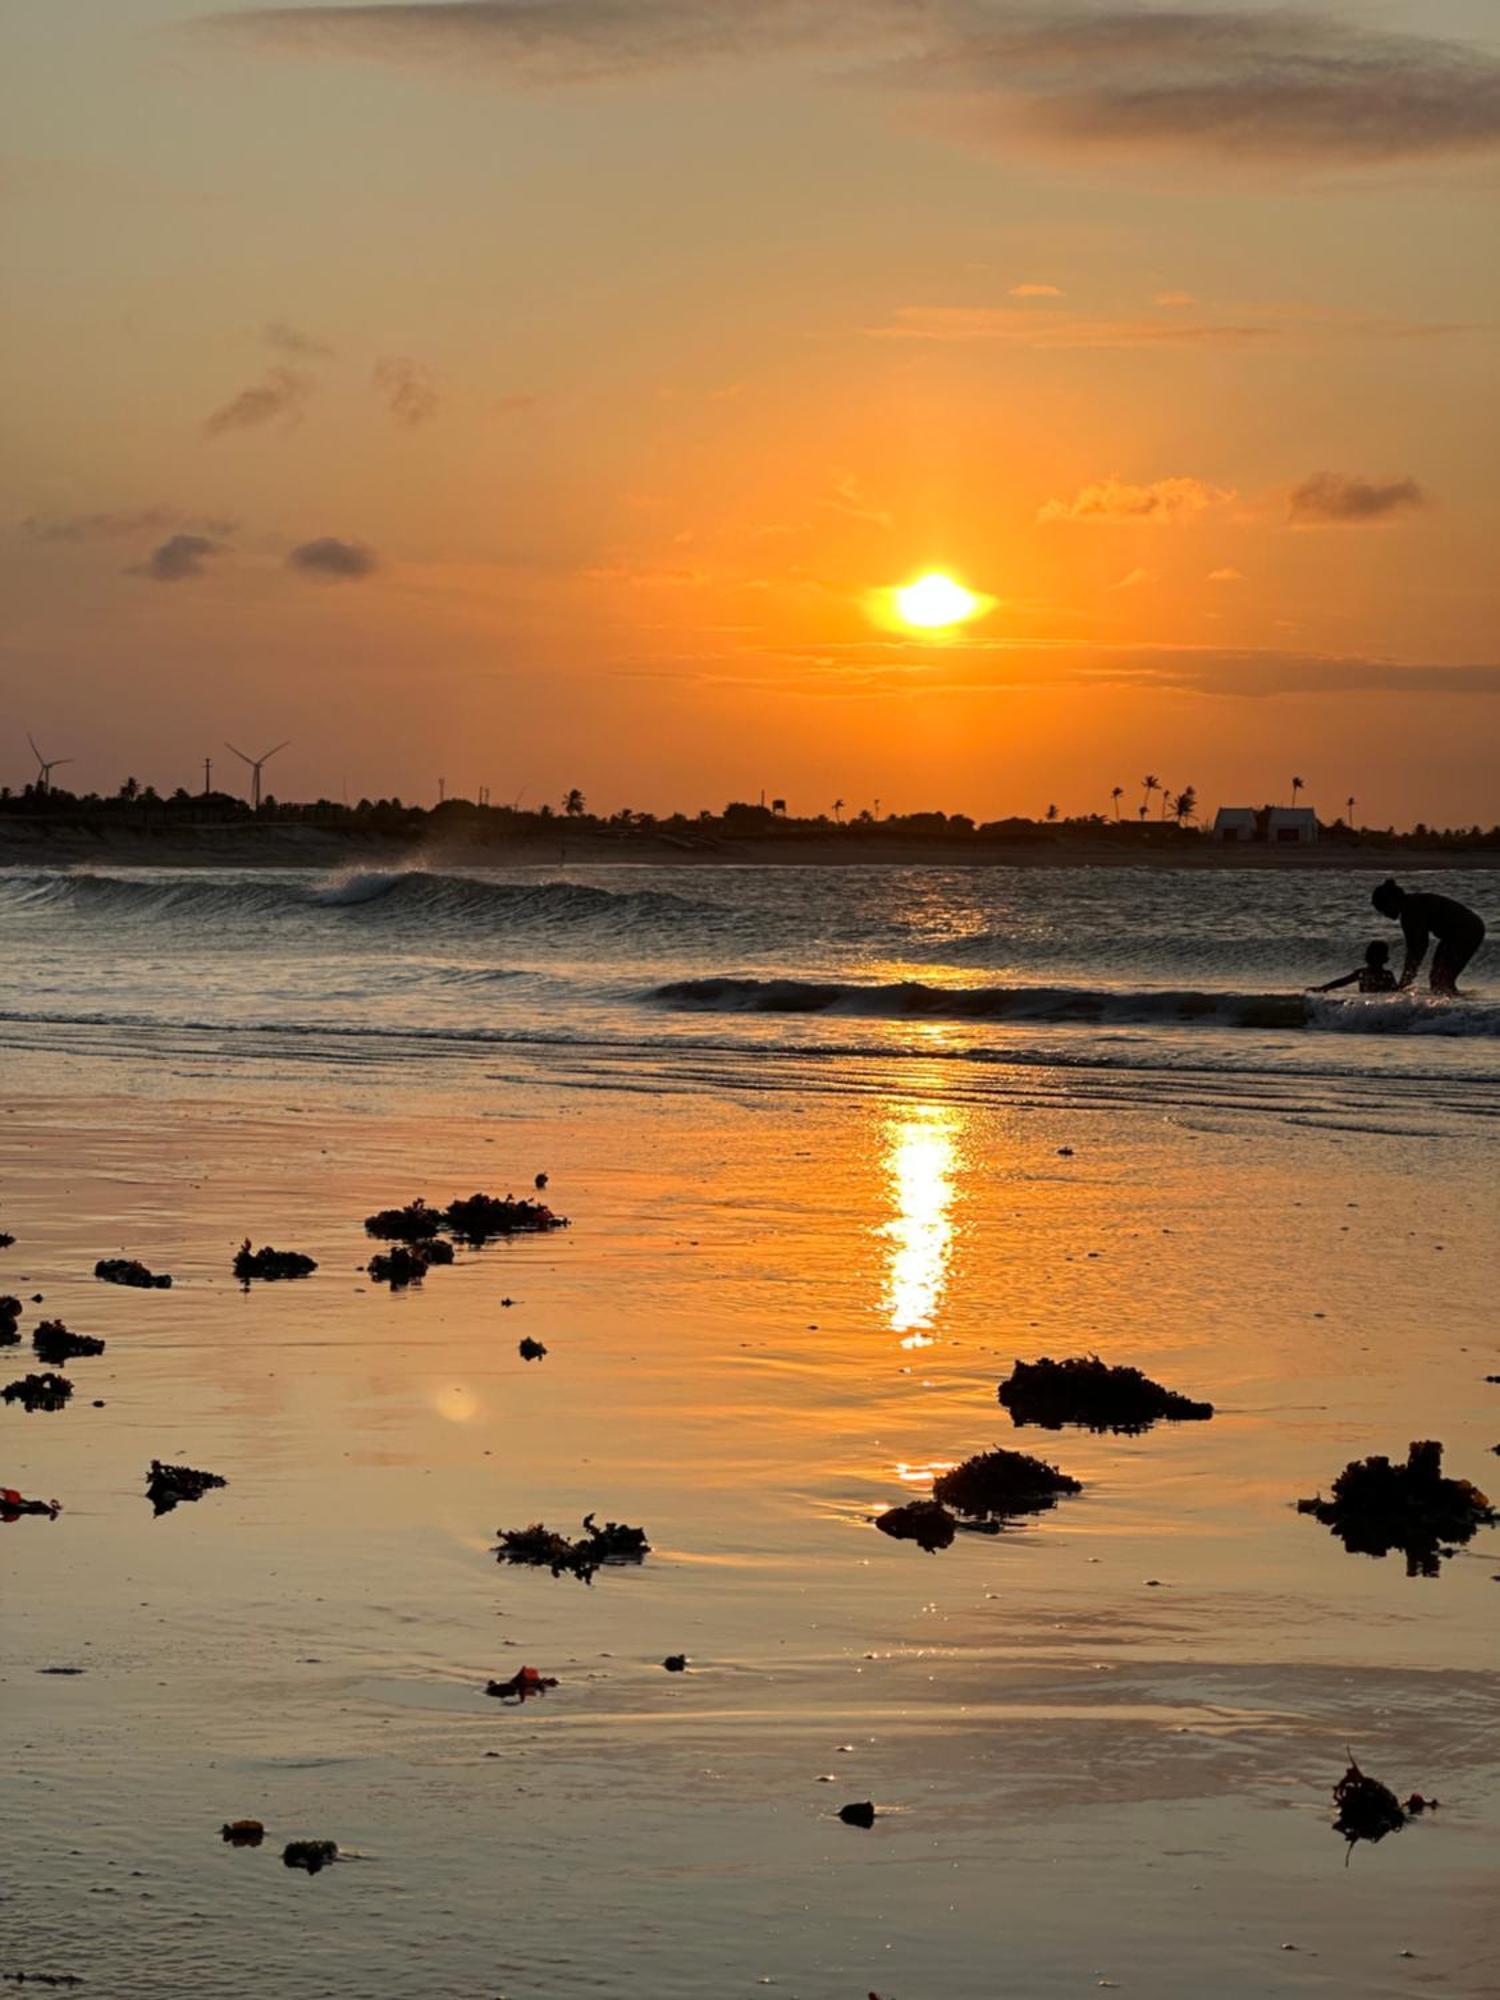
point(442, 789)
point(208, 773)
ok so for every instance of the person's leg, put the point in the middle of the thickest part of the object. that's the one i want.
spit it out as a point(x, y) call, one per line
point(1450, 958)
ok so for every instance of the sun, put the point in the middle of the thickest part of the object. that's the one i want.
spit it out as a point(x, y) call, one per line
point(935, 600)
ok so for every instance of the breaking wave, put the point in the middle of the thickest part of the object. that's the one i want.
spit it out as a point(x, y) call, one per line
point(1063, 1006)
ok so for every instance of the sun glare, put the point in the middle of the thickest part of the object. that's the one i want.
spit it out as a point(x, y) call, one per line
point(935, 601)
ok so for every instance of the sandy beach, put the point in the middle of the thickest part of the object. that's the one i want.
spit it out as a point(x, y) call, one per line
point(1101, 1744)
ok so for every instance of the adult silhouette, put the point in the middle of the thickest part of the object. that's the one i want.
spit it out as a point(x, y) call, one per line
point(1424, 916)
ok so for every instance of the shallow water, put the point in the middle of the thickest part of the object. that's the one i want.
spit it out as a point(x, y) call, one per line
point(795, 1275)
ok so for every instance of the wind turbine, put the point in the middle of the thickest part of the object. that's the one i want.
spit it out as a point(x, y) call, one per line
point(255, 764)
point(45, 765)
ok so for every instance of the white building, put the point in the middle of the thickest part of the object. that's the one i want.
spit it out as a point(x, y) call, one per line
point(1291, 826)
point(1234, 823)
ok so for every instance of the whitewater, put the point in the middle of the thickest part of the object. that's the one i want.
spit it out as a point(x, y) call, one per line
point(1075, 969)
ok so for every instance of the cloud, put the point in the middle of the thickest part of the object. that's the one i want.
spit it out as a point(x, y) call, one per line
point(504, 406)
point(1134, 578)
point(1036, 292)
point(118, 527)
point(1349, 499)
point(1164, 503)
point(1225, 575)
point(327, 556)
point(177, 558)
point(1174, 299)
point(408, 391)
point(1020, 326)
point(291, 340)
point(1280, 85)
point(280, 398)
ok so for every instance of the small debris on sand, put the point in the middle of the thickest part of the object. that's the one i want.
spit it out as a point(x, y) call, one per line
point(1369, 1810)
point(5, 1240)
point(13, 1506)
point(530, 1350)
point(270, 1264)
point(1376, 1507)
point(242, 1832)
point(10, 1321)
point(925, 1522)
point(860, 1813)
point(522, 1686)
point(477, 1218)
point(416, 1223)
point(538, 1547)
point(54, 1343)
point(39, 1392)
point(127, 1271)
point(1065, 1152)
point(1086, 1390)
point(675, 1663)
point(999, 1483)
point(167, 1486)
point(312, 1855)
point(540, 1183)
point(408, 1263)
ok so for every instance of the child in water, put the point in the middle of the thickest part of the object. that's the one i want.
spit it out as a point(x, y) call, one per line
point(1374, 976)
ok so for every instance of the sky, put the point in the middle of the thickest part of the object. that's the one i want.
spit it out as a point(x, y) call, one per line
point(539, 393)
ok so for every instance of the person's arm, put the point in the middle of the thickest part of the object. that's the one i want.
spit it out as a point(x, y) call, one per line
point(1333, 985)
point(1414, 930)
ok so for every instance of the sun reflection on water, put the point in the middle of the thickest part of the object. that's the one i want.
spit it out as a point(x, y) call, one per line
point(920, 1153)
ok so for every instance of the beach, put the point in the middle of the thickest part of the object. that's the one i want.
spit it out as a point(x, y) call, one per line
point(813, 1222)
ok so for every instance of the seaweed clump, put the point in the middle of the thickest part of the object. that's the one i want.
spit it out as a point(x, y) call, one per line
point(7, 1240)
point(925, 1522)
point(531, 1350)
point(270, 1264)
point(416, 1223)
point(1369, 1810)
point(242, 1833)
point(10, 1320)
point(539, 1547)
point(522, 1685)
point(1375, 1507)
point(129, 1271)
point(479, 1218)
point(311, 1855)
point(408, 1263)
point(167, 1486)
point(13, 1506)
point(54, 1343)
point(996, 1484)
point(1086, 1390)
point(39, 1392)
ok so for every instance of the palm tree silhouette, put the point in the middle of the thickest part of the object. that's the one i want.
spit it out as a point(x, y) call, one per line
point(574, 804)
point(1349, 810)
point(1117, 794)
point(1296, 787)
point(1185, 805)
point(1052, 812)
point(838, 807)
point(1150, 785)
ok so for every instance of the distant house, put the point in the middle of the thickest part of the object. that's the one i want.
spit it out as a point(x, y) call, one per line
point(1291, 826)
point(1235, 823)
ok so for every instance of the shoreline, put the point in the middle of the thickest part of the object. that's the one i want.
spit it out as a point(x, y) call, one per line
point(314, 847)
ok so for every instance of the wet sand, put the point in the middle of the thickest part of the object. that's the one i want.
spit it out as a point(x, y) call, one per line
point(775, 1313)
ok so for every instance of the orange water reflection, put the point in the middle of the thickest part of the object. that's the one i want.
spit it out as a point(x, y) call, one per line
point(921, 1148)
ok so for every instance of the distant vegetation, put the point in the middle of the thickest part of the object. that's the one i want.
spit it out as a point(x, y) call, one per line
point(1171, 826)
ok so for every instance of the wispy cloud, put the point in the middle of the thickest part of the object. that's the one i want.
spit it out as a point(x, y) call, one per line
point(1029, 291)
point(1020, 326)
point(177, 558)
point(292, 340)
point(1347, 499)
point(1163, 503)
point(329, 556)
point(1174, 299)
point(280, 398)
point(1134, 578)
point(407, 390)
point(1226, 575)
point(1280, 85)
point(121, 526)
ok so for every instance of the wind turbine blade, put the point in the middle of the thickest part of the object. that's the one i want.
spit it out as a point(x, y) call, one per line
point(240, 754)
point(276, 752)
point(59, 760)
point(34, 751)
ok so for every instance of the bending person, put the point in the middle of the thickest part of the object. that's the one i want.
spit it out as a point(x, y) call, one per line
point(1424, 916)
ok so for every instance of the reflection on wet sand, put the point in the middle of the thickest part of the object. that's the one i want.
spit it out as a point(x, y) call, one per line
point(920, 1152)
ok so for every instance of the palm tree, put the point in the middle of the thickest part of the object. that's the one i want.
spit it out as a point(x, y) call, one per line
point(1185, 805)
point(1150, 785)
point(838, 807)
point(1349, 811)
point(1117, 794)
point(1296, 787)
point(1052, 812)
point(574, 804)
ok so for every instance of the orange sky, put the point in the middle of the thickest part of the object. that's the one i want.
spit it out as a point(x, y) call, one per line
point(536, 396)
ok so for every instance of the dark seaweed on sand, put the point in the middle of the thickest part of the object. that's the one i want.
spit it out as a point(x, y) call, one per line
point(10, 1318)
point(1369, 1810)
point(531, 1350)
point(478, 1218)
point(39, 1392)
point(127, 1271)
point(167, 1486)
point(1086, 1390)
point(925, 1522)
point(999, 1483)
point(1376, 1507)
point(5, 1240)
point(522, 1685)
point(54, 1343)
point(311, 1855)
point(539, 1547)
point(242, 1833)
point(270, 1264)
point(408, 1263)
point(416, 1223)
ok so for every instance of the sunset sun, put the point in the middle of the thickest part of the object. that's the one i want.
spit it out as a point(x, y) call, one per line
point(935, 601)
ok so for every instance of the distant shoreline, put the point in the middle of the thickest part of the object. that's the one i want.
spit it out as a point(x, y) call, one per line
point(41, 845)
